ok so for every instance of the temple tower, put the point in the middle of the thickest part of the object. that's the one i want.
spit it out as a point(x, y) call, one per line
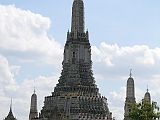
point(77, 17)
point(33, 108)
point(10, 115)
point(147, 96)
point(77, 53)
point(76, 96)
point(130, 96)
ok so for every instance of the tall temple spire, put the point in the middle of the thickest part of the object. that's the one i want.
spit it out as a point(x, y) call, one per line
point(147, 96)
point(34, 90)
point(147, 89)
point(34, 87)
point(77, 17)
point(130, 93)
point(130, 96)
point(76, 95)
point(33, 109)
point(10, 109)
point(130, 73)
point(10, 115)
point(11, 105)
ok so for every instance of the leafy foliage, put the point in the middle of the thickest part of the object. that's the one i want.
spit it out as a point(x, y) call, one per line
point(144, 111)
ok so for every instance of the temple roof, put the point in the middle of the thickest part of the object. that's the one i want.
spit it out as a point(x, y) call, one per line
point(10, 115)
point(147, 96)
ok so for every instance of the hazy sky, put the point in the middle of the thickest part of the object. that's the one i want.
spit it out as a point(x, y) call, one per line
point(124, 34)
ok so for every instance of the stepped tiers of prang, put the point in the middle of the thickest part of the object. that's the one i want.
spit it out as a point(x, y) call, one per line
point(76, 96)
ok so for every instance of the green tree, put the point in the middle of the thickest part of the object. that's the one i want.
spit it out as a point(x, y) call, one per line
point(144, 111)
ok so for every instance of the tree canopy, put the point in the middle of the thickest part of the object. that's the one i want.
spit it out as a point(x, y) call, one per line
point(144, 111)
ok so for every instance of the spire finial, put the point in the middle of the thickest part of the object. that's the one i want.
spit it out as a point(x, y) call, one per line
point(130, 73)
point(34, 87)
point(11, 105)
point(34, 90)
point(147, 89)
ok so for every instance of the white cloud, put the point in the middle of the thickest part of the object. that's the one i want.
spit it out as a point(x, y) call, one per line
point(117, 113)
point(113, 62)
point(118, 95)
point(117, 99)
point(6, 77)
point(24, 35)
point(7, 83)
point(44, 87)
point(118, 59)
point(21, 92)
point(138, 54)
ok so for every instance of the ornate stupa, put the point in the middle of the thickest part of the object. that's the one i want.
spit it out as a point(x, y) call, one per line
point(130, 96)
point(147, 96)
point(33, 108)
point(10, 115)
point(76, 96)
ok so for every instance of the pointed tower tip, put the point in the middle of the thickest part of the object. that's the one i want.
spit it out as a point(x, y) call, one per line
point(11, 104)
point(147, 89)
point(130, 73)
point(10, 111)
point(78, 24)
point(34, 87)
point(34, 90)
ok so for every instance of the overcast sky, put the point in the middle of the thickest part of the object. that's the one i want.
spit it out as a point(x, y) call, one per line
point(124, 34)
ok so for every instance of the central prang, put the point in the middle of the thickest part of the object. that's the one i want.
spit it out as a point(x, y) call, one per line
point(76, 96)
